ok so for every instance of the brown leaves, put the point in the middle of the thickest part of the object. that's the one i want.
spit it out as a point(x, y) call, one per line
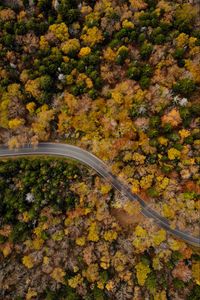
point(192, 187)
point(71, 101)
point(76, 213)
point(7, 14)
point(58, 274)
point(186, 252)
point(172, 117)
point(5, 230)
point(138, 4)
point(182, 272)
point(144, 196)
point(88, 254)
point(30, 42)
point(125, 219)
point(41, 125)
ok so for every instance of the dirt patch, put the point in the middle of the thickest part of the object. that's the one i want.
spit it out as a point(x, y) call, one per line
point(125, 219)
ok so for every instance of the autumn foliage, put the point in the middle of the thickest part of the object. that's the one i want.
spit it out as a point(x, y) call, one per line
point(120, 79)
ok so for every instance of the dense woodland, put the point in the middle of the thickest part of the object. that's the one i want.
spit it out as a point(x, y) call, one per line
point(120, 79)
point(63, 235)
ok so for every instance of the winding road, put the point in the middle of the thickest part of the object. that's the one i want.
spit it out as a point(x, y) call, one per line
point(69, 151)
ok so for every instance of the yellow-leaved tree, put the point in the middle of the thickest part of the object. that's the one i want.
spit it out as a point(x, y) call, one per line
point(92, 36)
point(41, 125)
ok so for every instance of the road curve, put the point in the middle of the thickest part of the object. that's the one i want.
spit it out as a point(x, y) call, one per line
point(57, 149)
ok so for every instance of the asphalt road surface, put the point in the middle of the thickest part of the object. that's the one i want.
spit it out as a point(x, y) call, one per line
point(69, 151)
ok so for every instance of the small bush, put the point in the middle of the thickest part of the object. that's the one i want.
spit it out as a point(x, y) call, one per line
point(144, 82)
point(146, 50)
point(184, 87)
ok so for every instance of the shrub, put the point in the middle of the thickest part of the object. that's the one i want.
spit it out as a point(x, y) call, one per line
point(159, 39)
point(9, 41)
point(154, 121)
point(68, 11)
point(189, 140)
point(78, 89)
point(184, 17)
point(184, 87)
point(194, 295)
point(151, 282)
point(166, 27)
point(98, 82)
point(72, 15)
point(147, 70)
point(133, 36)
point(184, 113)
point(167, 128)
point(179, 53)
point(134, 73)
point(146, 50)
point(181, 63)
point(153, 133)
point(195, 109)
point(137, 110)
point(114, 43)
point(122, 54)
point(93, 94)
point(44, 5)
point(122, 33)
point(141, 38)
point(152, 3)
point(80, 66)
point(20, 232)
point(144, 82)
point(178, 284)
point(153, 142)
point(46, 82)
point(174, 137)
point(92, 58)
point(20, 28)
point(166, 168)
point(152, 159)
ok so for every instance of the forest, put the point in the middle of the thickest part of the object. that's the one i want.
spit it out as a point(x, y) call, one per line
point(121, 79)
point(66, 234)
